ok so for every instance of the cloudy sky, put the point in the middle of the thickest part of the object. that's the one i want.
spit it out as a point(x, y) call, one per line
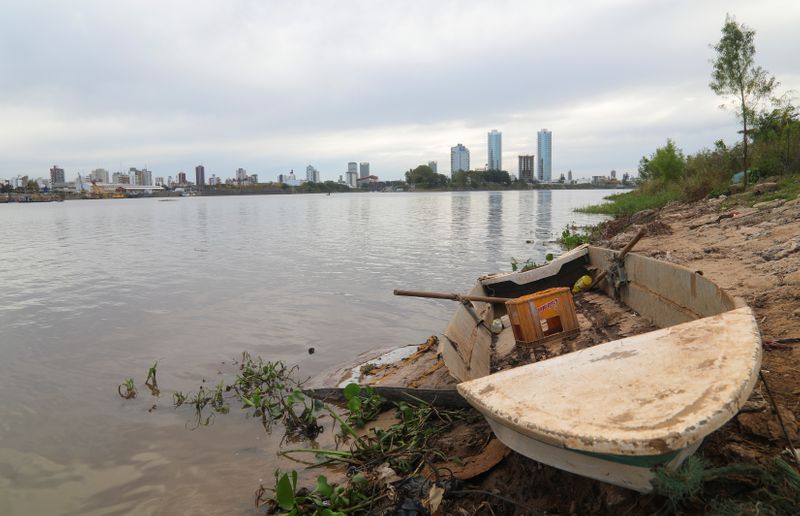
point(273, 86)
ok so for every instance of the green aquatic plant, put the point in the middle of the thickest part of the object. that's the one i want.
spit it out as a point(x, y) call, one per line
point(130, 389)
point(528, 265)
point(179, 398)
point(571, 239)
point(363, 404)
point(151, 382)
point(325, 499)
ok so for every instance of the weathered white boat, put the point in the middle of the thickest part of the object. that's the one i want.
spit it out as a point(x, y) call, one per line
point(618, 410)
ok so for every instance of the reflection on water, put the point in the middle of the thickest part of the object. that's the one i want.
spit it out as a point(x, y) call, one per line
point(544, 214)
point(93, 292)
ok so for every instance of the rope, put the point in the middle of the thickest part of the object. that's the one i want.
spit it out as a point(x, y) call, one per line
point(780, 419)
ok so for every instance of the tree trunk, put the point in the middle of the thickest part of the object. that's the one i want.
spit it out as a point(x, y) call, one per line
point(744, 134)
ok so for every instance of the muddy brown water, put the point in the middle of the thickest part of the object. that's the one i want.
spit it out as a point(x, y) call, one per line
point(93, 292)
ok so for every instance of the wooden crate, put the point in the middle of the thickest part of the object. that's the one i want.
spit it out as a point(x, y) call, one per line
point(542, 314)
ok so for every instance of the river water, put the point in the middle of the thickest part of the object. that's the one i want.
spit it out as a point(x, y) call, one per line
point(93, 292)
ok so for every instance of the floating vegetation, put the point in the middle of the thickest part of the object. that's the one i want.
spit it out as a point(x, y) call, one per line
point(151, 382)
point(572, 238)
point(178, 398)
point(363, 404)
point(269, 392)
point(130, 389)
point(404, 446)
point(325, 499)
point(529, 264)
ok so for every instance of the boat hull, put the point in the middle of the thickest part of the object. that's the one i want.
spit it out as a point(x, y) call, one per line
point(617, 410)
point(631, 472)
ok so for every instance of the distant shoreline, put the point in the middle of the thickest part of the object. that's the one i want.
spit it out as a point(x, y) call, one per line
point(67, 196)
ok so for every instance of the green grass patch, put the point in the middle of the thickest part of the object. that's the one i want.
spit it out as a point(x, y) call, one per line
point(628, 203)
point(788, 188)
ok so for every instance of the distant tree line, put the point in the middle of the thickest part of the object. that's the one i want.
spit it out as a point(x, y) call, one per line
point(424, 177)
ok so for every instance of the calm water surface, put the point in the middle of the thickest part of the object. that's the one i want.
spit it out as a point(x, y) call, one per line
point(93, 292)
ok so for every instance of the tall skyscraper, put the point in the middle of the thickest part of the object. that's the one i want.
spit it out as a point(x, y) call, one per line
point(352, 174)
point(544, 147)
point(363, 169)
point(200, 176)
point(312, 174)
point(495, 147)
point(57, 176)
point(459, 159)
point(434, 166)
point(181, 178)
point(526, 166)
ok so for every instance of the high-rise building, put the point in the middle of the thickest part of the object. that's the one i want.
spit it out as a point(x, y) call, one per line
point(241, 175)
point(495, 148)
point(363, 169)
point(434, 166)
point(527, 164)
point(121, 178)
point(100, 175)
point(544, 147)
point(289, 179)
point(181, 178)
point(352, 174)
point(57, 176)
point(312, 174)
point(352, 178)
point(141, 177)
point(459, 159)
point(159, 181)
point(569, 176)
point(200, 176)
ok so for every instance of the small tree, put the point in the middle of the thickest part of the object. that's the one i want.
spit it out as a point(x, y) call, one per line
point(665, 164)
point(736, 76)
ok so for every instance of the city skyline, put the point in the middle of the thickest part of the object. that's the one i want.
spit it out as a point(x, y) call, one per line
point(116, 92)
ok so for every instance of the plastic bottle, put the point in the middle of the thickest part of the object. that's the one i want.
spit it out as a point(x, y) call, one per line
point(582, 284)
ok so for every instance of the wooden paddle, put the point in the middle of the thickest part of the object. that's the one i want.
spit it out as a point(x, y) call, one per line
point(454, 297)
point(488, 299)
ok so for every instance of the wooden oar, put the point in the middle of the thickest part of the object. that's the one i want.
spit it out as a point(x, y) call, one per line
point(454, 297)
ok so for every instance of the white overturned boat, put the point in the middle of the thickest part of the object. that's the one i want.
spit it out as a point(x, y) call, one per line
point(618, 410)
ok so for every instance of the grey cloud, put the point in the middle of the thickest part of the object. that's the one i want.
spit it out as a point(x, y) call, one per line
point(271, 83)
